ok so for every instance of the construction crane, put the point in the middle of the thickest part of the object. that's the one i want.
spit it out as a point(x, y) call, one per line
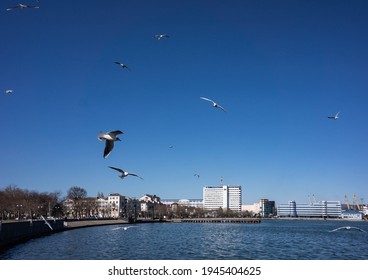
point(347, 202)
point(356, 202)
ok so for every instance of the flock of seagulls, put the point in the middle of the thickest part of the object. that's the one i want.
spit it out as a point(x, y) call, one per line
point(111, 137)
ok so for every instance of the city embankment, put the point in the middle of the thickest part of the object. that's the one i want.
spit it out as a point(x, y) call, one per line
point(12, 233)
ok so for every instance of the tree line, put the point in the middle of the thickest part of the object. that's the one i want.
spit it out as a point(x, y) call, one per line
point(17, 203)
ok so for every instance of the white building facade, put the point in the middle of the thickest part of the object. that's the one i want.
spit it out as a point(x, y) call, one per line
point(322, 209)
point(225, 197)
point(116, 204)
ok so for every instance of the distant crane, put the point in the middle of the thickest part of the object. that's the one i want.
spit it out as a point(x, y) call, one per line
point(347, 202)
point(356, 202)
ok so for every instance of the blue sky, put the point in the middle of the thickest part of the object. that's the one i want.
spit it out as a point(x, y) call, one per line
point(279, 68)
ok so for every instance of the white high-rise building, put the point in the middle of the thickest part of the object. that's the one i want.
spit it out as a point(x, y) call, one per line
point(225, 197)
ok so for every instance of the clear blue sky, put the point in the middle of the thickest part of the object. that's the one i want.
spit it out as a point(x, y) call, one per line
point(279, 68)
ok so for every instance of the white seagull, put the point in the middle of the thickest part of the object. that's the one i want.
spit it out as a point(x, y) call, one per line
point(124, 173)
point(124, 228)
point(334, 117)
point(216, 105)
point(161, 36)
point(348, 228)
point(21, 6)
point(9, 91)
point(109, 138)
point(122, 65)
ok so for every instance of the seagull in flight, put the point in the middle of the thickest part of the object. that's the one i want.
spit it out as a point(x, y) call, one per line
point(161, 36)
point(348, 228)
point(9, 91)
point(124, 173)
point(197, 175)
point(216, 105)
point(334, 117)
point(109, 138)
point(21, 6)
point(124, 228)
point(122, 65)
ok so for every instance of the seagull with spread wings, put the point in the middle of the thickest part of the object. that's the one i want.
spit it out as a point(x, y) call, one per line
point(9, 91)
point(334, 117)
point(21, 6)
point(214, 104)
point(124, 173)
point(109, 138)
point(161, 36)
point(348, 228)
point(124, 228)
point(122, 65)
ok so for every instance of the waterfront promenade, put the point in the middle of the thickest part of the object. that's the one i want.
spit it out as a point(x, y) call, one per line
point(91, 223)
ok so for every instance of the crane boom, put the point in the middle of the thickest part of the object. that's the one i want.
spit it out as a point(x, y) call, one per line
point(347, 202)
point(356, 202)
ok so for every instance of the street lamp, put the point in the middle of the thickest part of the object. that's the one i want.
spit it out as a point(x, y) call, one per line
point(19, 207)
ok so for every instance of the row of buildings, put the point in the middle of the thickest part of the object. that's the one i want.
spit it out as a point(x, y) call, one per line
point(223, 197)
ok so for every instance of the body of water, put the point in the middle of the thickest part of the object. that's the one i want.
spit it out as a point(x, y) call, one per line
point(269, 240)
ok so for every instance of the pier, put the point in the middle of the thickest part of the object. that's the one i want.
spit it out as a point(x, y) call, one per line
point(218, 220)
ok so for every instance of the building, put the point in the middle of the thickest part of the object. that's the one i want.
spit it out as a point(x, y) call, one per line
point(103, 209)
point(147, 201)
point(198, 203)
point(252, 208)
point(322, 209)
point(266, 207)
point(352, 215)
point(116, 205)
point(224, 197)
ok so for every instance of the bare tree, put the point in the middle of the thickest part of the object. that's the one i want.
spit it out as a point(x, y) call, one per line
point(77, 194)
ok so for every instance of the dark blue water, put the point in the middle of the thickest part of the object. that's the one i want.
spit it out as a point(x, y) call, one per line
point(280, 240)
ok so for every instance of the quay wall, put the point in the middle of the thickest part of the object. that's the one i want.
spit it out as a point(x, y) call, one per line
point(16, 232)
point(12, 233)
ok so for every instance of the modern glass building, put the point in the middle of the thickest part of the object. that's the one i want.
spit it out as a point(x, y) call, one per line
point(322, 209)
point(267, 207)
point(225, 197)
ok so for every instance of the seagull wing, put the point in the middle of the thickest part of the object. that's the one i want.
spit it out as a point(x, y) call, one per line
point(135, 175)
point(204, 98)
point(221, 107)
point(357, 229)
point(336, 229)
point(109, 145)
point(117, 169)
point(114, 133)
